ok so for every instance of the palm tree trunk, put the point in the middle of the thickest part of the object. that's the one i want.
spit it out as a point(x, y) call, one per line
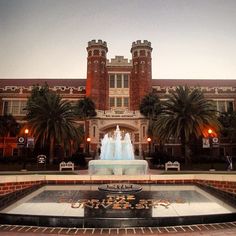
point(186, 151)
point(187, 154)
point(4, 146)
point(51, 150)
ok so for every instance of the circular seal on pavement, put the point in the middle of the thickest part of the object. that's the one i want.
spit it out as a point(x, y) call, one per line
point(120, 188)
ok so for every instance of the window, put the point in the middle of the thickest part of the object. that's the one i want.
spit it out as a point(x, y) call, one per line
point(119, 81)
point(214, 103)
point(15, 107)
point(6, 107)
point(112, 102)
point(119, 102)
point(96, 52)
point(126, 81)
point(126, 102)
point(224, 105)
point(221, 106)
point(142, 53)
point(229, 106)
point(94, 131)
point(22, 107)
point(112, 81)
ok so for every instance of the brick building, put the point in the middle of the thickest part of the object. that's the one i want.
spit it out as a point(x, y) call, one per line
point(116, 86)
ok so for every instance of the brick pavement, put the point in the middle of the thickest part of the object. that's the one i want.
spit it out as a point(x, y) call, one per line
point(216, 229)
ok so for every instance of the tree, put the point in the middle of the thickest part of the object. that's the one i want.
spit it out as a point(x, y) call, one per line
point(85, 109)
point(150, 107)
point(185, 116)
point(228, 122)
point(8, 128)
point(51, 119)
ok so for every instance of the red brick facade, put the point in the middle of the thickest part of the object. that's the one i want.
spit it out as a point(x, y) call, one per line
point(97, 77)
point(141, 76)
point(97, 83)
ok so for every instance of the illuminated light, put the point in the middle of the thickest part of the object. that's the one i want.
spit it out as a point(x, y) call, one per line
point(210, 131)
point(26, 131)
point(149, 139)
point(88, 139)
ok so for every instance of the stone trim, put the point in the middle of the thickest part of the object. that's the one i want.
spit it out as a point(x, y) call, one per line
point(10, 184)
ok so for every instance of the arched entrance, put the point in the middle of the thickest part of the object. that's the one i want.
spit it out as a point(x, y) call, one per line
point(137, 128)
point(124, 128)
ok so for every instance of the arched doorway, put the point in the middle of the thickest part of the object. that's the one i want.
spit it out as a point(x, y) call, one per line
point(124, 128)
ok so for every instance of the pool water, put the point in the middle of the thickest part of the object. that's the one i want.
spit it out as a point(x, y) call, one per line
point(155, 204)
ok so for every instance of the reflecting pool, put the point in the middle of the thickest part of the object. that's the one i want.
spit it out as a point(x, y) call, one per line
point(86, 206)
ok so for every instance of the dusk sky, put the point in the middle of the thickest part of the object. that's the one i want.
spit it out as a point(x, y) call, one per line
point(191, 39)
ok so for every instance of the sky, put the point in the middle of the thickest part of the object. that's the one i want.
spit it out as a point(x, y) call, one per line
point(191, 39)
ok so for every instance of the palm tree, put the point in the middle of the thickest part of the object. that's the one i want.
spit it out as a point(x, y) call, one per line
point(8, 128)
point(228, 121)
point(185, 116)
point(51, 119)
point(85, 109)
point(150, 107)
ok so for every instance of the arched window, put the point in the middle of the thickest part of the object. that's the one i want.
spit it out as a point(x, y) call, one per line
point(94, 131)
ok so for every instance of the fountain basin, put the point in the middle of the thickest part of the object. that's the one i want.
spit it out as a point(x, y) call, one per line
point(118, 167)
point(84, 206)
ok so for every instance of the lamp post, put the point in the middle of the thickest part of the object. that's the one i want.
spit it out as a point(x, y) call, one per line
point(88, 143)
point(210, 136)
point(149, 145)
point(26, 131)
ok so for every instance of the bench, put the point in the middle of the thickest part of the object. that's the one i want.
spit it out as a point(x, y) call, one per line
point(68, 165)
point(172, 165)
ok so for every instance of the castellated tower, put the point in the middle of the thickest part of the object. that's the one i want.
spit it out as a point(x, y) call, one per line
point(97, 77)
point(141, 75)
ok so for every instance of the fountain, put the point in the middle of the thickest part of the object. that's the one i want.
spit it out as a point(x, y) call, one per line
point(117, 157)
point(116, 148)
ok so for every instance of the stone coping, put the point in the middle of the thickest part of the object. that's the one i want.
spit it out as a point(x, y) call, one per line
point(147, 178)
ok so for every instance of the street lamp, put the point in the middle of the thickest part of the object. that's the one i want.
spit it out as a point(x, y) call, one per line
point(210, 136)
point(149, 145)
point(26, 131)
point(88, 142)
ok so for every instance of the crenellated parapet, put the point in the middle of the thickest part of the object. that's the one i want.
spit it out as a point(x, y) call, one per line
point(119, 61)
point(98, 42)
point(140, 43)
point(97, 48)
point(141, 48)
